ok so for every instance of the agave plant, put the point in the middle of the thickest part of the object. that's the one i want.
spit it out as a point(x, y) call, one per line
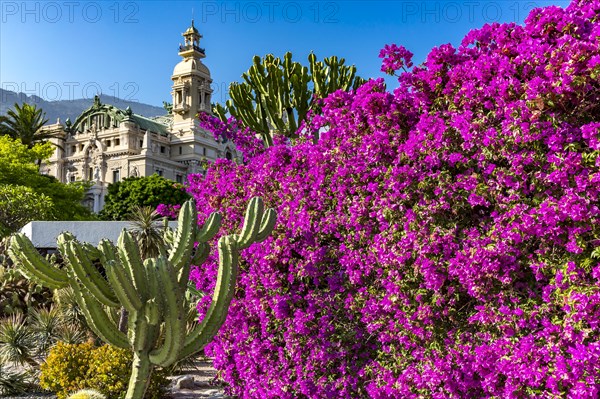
point(17, 341)
point(45, 324)
point(72, 334)
point(71, 313)
point(12, 381)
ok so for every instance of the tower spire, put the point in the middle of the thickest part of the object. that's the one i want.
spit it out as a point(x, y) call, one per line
point(191, 82)
point(191, 47)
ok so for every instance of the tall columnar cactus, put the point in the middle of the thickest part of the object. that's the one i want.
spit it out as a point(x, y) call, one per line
point(276, 94)
point(152, 290)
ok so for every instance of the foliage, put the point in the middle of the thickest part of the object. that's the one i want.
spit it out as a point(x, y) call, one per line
point(13, 382)
point(26, 337)
point(440, 240)
point(150, 191)
point(19, 205)
point(17, 294)
point(69, 368)
point(24, 123)
point(151, 290)
point(277, 94)
point(65, 368)
point(22, 186)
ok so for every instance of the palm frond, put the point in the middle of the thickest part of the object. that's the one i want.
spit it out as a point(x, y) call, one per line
point(25, 123)
point(147, 230)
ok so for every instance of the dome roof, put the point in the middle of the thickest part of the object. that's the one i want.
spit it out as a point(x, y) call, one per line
point(190, 66)
point(191, 29)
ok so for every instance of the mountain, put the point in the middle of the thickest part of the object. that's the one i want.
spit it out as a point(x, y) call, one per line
point(64, 109)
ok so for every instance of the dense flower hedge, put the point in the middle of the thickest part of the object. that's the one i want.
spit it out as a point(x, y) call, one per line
point(439, 241)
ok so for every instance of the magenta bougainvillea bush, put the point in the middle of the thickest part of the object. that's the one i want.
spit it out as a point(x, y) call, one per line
point(440, 241)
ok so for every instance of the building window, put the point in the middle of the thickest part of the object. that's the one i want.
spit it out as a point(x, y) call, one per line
point(141, 143)
point(80, 147)
point(117, 142)
point(180, 150)
point(72, 178)
point(159, 172)
point(73, 149)
point(228, 155)
point(162, 149)
point(179, 179)
point(116, 175)
point(108, 143)
point(90, 173)
point(204, 151)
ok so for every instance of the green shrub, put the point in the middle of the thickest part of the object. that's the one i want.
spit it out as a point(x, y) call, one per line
point(65, 368)
point(69, 368)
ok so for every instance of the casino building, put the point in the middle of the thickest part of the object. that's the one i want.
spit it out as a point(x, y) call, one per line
point(106, 144)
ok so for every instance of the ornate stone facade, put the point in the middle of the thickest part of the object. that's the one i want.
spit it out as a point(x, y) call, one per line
point(106, 144)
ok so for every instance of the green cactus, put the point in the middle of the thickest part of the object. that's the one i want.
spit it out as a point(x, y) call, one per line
point(86, 394)
point(276, 94)
point(151, 290)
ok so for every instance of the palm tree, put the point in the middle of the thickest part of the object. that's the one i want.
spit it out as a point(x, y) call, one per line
point(147, 230)
point(24, 123)
point(3, 127)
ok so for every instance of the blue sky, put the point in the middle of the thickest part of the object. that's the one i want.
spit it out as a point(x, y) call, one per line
point(62, 50)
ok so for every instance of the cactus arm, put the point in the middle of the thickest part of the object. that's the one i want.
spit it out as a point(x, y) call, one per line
point(267, 225)
point(202, 252)
point(108, 252)
point(138, 331)
point(224, 289)
point(152, 312)
point(155, 306)
point(97, 318)
point(210, 228)
point(261, 225)
point(183, 276)
point(184, 236)
point(141, 369)
point(130, 257)
point(251, 222)
point(91, 251)
point(89, 276)
point(123, 288)
point(63, 239)
point(169, 352)
point(33, 265)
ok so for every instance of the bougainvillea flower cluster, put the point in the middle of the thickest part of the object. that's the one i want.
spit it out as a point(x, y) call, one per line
point(440, 240)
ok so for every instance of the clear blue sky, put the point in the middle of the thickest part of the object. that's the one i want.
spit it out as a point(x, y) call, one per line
point(61, 50)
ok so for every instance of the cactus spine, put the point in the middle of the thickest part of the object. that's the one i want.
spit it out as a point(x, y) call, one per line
point(152, 290)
